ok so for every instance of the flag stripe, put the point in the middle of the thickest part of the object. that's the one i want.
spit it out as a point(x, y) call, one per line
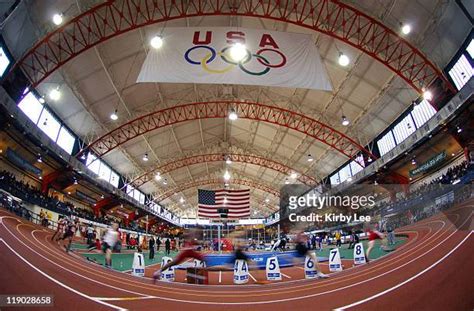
point(236, 202)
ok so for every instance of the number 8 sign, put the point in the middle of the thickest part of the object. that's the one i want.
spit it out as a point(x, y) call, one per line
point(359, 255)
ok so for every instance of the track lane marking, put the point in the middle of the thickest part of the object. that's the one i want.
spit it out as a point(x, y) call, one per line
point(406, 281)
point(59, 282)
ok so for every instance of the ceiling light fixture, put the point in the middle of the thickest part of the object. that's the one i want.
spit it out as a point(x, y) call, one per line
point(406, 29)
point(343, 59)
point(39, 159)
point(55, 94)
point(238, 51)
point(310, 158)
point(228, 160)
point(345, 121)
point(58, 19)
point(458, 129)
point(226, 175)
point(293, 175)
point(165, 182)
point(156, 42)
point(287, 181)
point(413, 161)
point(233, 115)
point(427, 95)
point(145, 157)
point(114, 115)
point(158, 176)
point(41, 100)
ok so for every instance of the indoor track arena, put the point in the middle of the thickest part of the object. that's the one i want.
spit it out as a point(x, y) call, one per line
point(236, 155)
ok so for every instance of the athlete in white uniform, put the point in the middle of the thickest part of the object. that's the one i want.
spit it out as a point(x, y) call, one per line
point(110, 243)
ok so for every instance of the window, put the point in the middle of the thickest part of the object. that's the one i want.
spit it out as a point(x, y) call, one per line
point(66, 140)
point(386, 143)
point(470, 48)
point(335, 179)
point(345, 173)
point(31, 107)
point(104, 171)
point(4, 62)
point(114, 179)
point(355, 166)
point(49, 125)
point(422, 113)
point(461, 72)
point(141, 199)
point(403, 129)
point(93, 164)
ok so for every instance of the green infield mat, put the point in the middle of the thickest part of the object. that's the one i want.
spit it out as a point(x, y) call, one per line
point(124, 261)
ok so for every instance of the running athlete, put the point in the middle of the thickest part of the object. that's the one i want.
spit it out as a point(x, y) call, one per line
point(59, 229)
point(190, 250)
point(71, 228)
point(110, 243)
point(373, 235)
point(302, 251)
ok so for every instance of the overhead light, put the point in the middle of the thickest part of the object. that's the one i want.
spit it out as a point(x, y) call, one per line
point(345, 121)
point(69, 192)
point(156, 42)
point(349, 179)
point(452, 154)
point(40, 177)
point(165, 182)
point(238, 51)
point(39, 159)
point(226, 185)
point(406, 29)
point(145, 157)
point(267, 200)
point(413, 161)
point(310, 158)
point(55, 94)
point(233, 115)
point(293, 175)
point(369, 159)
point(158, 176)
point(226, 175)
point(58, 19)
point(427, 95)
point(102, 196)
point(83, 156)
point(376, 183)
point(181, 200)
point(411, 178)
point(459, 130)
point(228, 160)
point(114, 115)
point(343, 60)
point(287, 181)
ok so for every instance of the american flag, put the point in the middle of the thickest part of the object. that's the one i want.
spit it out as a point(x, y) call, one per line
point(237, 202)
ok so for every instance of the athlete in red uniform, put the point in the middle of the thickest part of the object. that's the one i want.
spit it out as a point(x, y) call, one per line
point(59, 229)
point(372, 235)
point(191, 244)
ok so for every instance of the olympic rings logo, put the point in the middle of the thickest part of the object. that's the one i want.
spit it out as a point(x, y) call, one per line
point(211, 55)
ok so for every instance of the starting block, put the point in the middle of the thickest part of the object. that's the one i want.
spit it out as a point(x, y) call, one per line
point(168, 274)
point(335, 260)
point(273, 269)
point(359, 254)
point(241, 272)
point(138, 266)
point(310, 271)
point(197, 276)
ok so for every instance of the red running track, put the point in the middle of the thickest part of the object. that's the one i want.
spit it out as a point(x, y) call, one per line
point(433, 270)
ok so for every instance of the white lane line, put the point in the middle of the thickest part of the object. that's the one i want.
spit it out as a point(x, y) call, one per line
point(254, 279)
point(59, 282)
point(287, 276)
point(75, 273)
point(406, 281)
point(123, 298)
point(220, 276)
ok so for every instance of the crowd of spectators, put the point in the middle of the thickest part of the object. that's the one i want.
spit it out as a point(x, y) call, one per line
point(30, 194)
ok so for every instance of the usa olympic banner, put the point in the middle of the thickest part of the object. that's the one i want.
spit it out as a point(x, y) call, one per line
point(203, 55)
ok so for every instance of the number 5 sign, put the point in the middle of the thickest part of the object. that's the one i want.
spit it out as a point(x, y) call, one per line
point(273, 269)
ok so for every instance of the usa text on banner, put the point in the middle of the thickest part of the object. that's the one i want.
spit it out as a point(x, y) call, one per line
point(203, 55)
